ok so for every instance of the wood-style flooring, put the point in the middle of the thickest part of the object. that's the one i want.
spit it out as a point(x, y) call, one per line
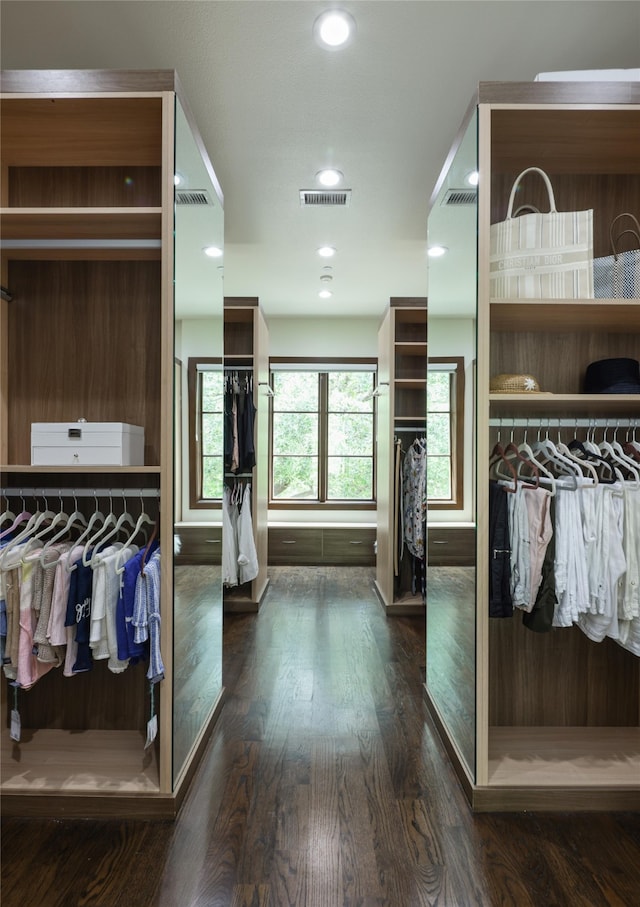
point(324, 785)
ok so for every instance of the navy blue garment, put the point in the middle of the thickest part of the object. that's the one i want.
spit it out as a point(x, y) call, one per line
point(79, 614)
point(500, 603)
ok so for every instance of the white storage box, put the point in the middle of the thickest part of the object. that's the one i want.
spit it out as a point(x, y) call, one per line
point(86, 444)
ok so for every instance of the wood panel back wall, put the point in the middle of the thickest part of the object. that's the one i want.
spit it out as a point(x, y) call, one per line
point(103, 316)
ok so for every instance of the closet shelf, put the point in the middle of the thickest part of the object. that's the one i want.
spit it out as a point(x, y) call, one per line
point(554, 315)
point(564, 756)
point(33, 224)
point(82, 470)
point(596, 405)
point(78, 762)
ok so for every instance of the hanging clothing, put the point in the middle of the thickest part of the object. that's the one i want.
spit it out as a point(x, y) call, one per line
point(248, 567)
point(500, 602)
point(415, 497)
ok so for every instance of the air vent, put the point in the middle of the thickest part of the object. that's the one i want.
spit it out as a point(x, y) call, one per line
point(314, 198)
point(195, 197)
point(460, 197)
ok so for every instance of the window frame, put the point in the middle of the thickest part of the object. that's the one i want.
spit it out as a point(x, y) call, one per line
point(314, 364)
point(194, 391)
point(456, 434)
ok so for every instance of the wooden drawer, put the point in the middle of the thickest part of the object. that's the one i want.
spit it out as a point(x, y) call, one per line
point(316, 545)
point(349, 546)
point(451, 546)
point(199, 545)
point(295, 546)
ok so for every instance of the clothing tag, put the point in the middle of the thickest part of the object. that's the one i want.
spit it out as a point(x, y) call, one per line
point(15, 725)
point(152, 730)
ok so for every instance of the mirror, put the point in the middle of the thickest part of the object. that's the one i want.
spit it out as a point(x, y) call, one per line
point(451, 522)
point(198, 300)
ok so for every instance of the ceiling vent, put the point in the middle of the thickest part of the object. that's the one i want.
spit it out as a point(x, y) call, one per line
point(314, 198)
point(460, 197)
point(193, 197)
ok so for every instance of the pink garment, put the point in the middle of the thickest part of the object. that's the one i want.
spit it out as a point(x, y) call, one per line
point(540, 531)
point(30, 670)
point(56, 630)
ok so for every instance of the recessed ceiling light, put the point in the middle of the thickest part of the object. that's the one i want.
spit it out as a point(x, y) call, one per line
point(324, 294)
point(472, 178)
point(213, 251)
point(326, 251)
point(334, 29)
point(329, 177)
point(436, 251)
point(177, 179)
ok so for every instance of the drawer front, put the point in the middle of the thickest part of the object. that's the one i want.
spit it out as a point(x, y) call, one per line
point(349, 546)
point(453, 547)
point(77, 455)
point(199, 545)
point(295, 546)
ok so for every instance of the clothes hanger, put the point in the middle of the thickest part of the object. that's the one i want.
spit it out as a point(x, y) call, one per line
point(75, 518)
point(8, 516)
point(497, 457)
point(23, 517)
point(26, 535)
point(153, 537)
point(565, 466)
point(109, 522)
point(512, 450)
point(528, 457)
point(616, 453)
point(589, 451)
point(587, 469)
point(45, 526)
point(97, 517)
point(124, 519)
point(143, 519)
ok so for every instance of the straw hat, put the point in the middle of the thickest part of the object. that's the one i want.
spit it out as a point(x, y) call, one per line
point(514, 384)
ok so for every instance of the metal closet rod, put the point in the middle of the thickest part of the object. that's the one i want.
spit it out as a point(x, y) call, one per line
point(544, 422)
point(80, 492)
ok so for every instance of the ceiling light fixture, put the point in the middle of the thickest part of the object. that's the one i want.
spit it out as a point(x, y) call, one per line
point(472, 178)
point(213, 251)
point(326, 251)
point(436, 251)
point(334, 29)
point(177, 179)
point(324, 294)
point(329, 177)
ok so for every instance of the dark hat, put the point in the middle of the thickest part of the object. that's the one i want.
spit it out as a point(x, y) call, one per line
point(613, 376)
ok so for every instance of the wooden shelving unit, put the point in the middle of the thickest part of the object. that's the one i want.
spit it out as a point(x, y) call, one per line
point(551, 734)
point(402, 363)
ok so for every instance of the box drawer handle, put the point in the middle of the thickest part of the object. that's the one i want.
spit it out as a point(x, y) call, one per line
point(439, 542)
point(355, 542)
point(288, 541)
point(213, 541)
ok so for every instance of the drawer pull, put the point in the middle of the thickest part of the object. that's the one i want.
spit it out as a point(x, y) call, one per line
point(288, 541)
point(213, 541)
point(439, 542)
point(355, 542)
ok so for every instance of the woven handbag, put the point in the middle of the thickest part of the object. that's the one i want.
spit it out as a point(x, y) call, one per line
point(545, 255)
point(617, 276)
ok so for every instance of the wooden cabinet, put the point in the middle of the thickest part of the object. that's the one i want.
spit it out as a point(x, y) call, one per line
point(86, 209)
point(246, 349)
point(402, 406)
point(338, 545)
point(556, 714)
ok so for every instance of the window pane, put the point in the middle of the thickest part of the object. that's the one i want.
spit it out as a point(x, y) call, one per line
point(295, 391)
point(212, 391)
point(438, 391)
point(295, 477)
point(212, 477)
point(295, 433)
point(438, 435)
point(350, 434)
point(350, 478)
point(212, 434)
point(438, 478)
point(347, 391)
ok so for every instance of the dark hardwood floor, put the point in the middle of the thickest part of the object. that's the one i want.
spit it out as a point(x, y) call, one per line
point(325, 786)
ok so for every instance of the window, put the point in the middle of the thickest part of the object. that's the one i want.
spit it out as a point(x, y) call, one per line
point(206, 431)
point(323, 434)
point(445, 432)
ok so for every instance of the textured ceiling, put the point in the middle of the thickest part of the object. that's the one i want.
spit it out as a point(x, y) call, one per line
point(273, 108)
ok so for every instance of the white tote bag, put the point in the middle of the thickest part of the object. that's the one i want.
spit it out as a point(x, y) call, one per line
point(617, 276)
point(542, 255)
